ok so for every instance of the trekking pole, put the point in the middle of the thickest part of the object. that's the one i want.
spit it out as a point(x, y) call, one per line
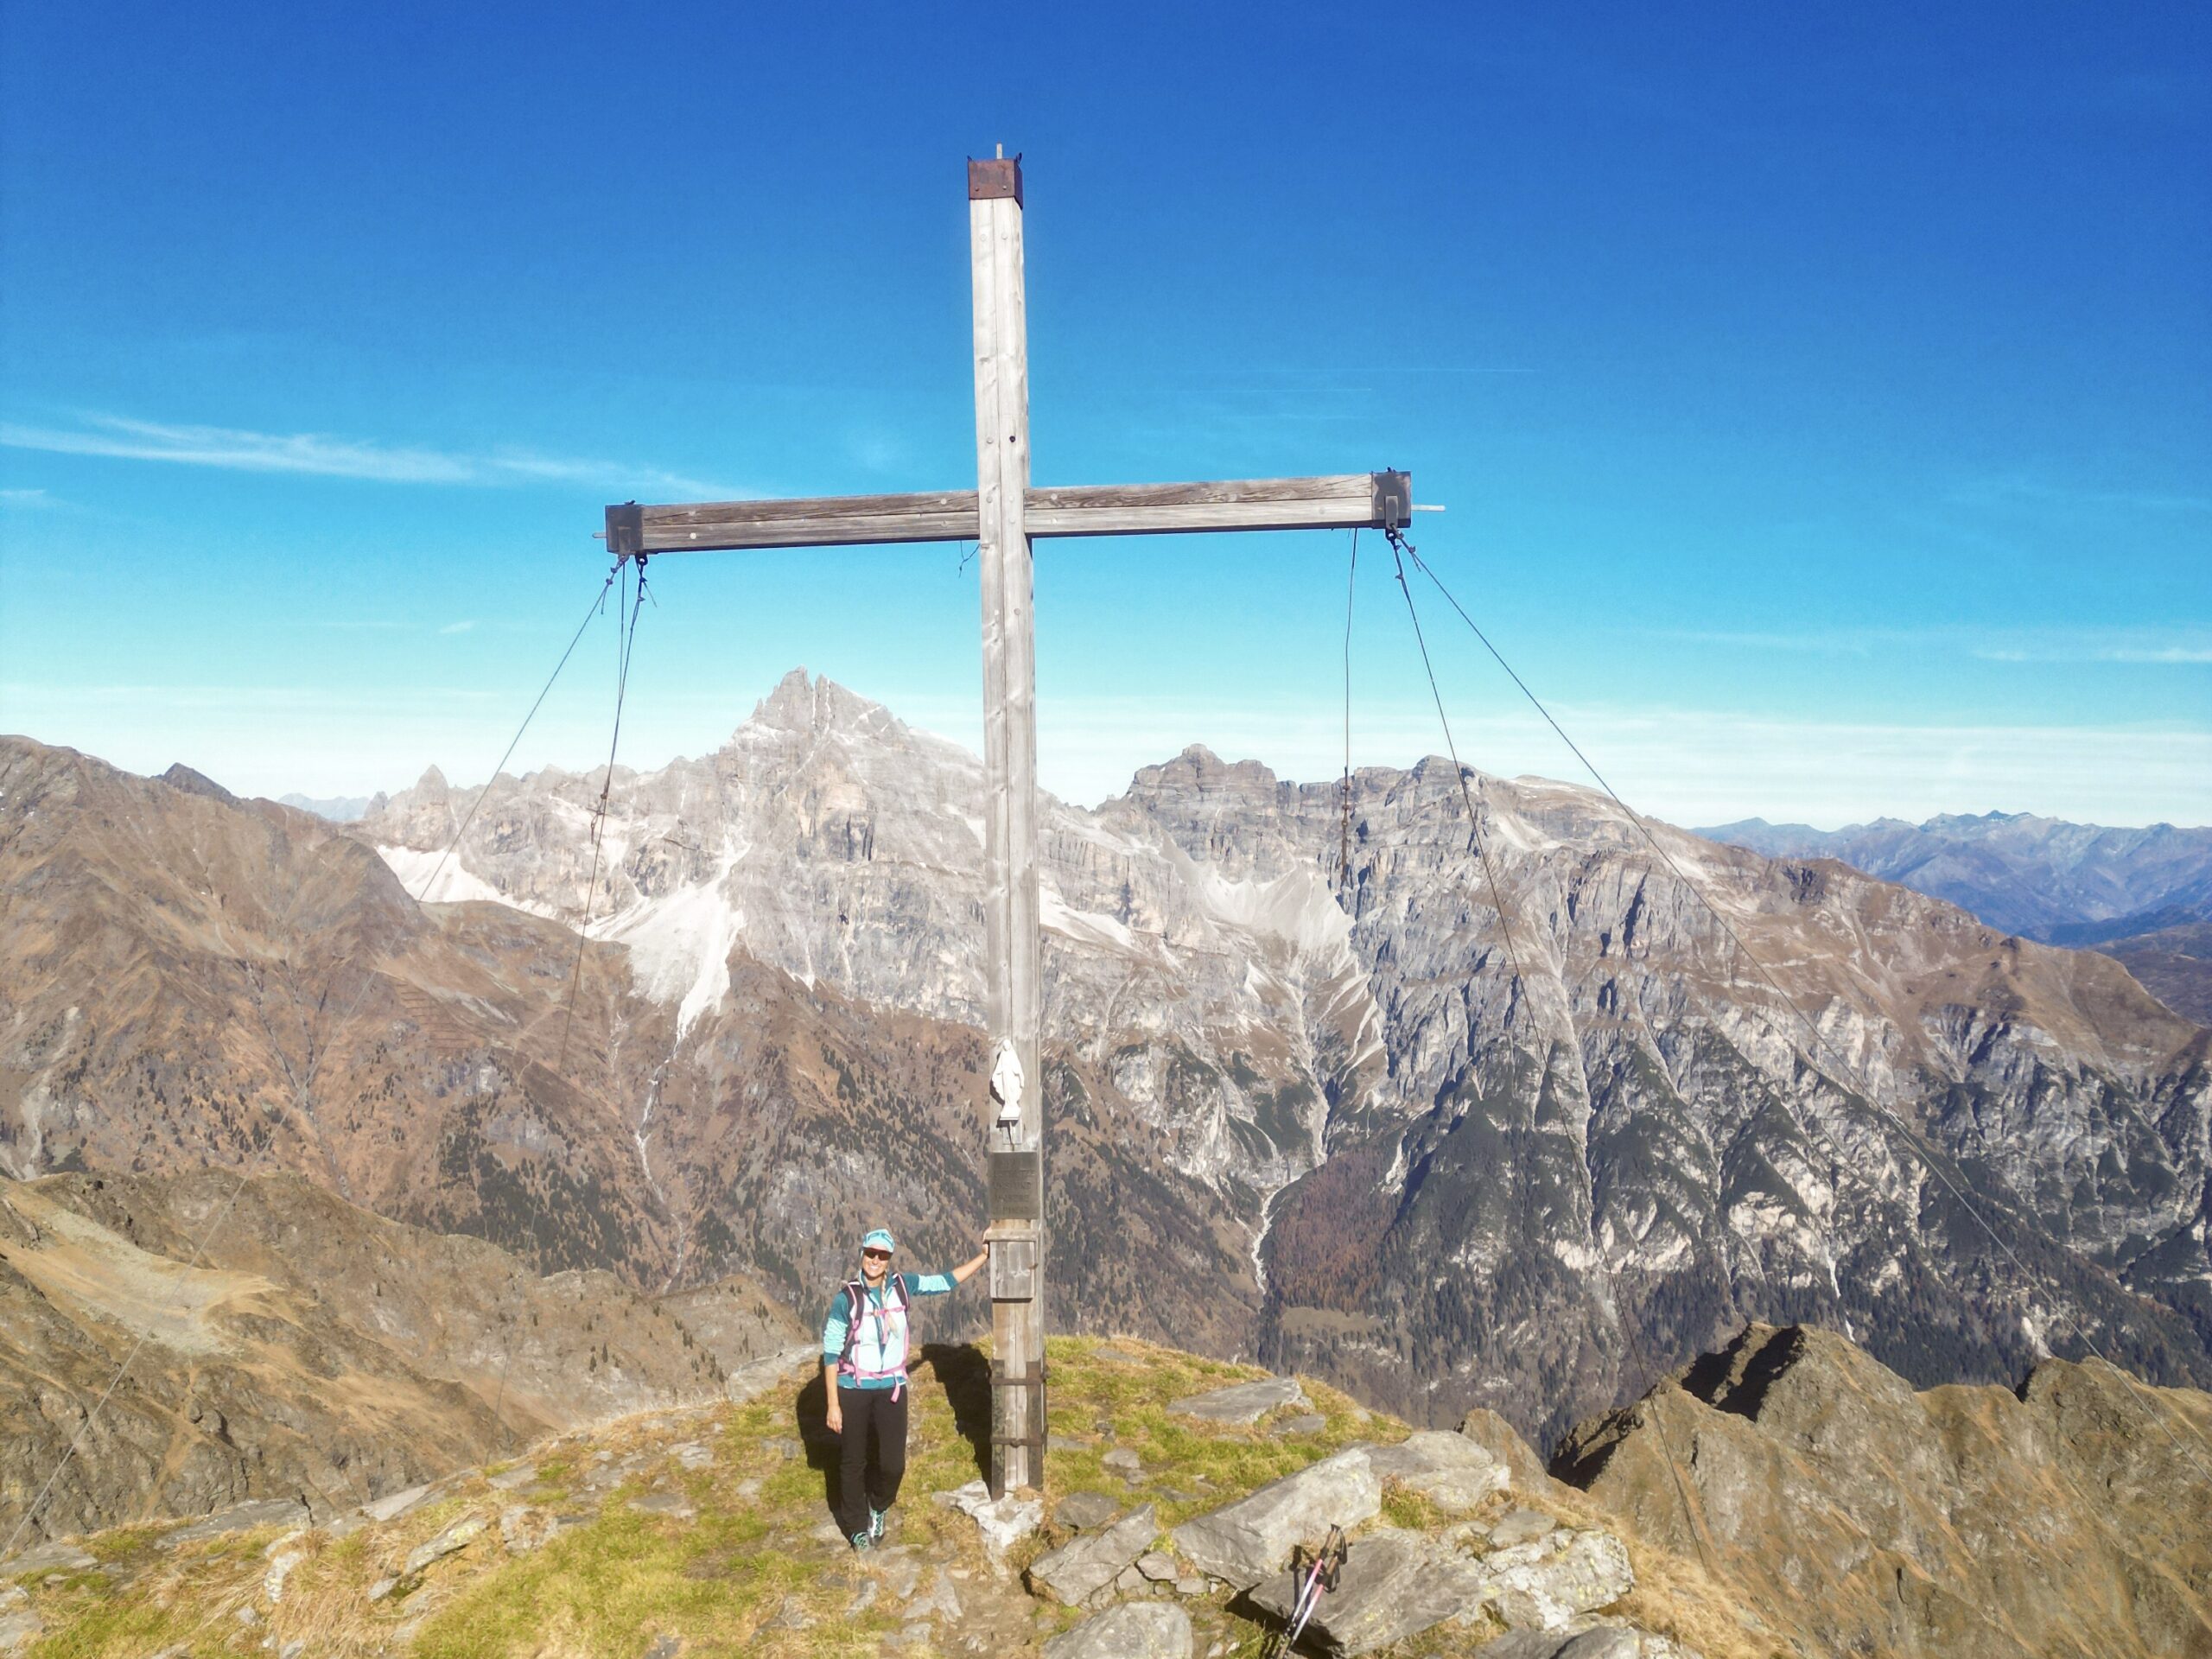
point(1320, 1578)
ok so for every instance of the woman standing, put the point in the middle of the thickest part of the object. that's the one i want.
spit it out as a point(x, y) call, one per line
point(864, 1373)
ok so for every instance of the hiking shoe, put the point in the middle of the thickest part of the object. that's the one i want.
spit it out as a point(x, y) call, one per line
point(874, 1525)
point(863, 1541)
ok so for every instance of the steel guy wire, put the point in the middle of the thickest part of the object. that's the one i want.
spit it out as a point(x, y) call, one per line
point(625, 643)
point(1458, 772)
point(1343, 846)
point(1927, 1155)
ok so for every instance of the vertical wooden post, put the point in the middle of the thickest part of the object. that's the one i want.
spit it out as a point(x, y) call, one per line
point(1013, 990)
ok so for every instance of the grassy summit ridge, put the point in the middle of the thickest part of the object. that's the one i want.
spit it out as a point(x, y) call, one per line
point(705, 1532)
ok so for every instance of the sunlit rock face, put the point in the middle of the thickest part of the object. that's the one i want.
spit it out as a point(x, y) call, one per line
point(1467, 1151)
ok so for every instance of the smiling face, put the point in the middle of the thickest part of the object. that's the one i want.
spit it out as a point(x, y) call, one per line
point(874, 1264)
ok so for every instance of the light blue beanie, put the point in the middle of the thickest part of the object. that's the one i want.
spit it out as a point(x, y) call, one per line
point(880, 1239)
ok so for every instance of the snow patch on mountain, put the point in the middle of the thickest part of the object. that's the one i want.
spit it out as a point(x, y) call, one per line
point(680, 942)
point(431, 878)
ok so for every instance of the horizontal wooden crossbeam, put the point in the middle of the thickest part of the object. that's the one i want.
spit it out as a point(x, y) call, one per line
point(1348, 501)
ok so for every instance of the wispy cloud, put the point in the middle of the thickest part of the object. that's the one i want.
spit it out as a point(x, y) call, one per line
point(1688, 765)
point(2018, 491)
point(1858, 642)
point(2169, 650)
point(2140, 645)
point(458, 627)
point(319, 454)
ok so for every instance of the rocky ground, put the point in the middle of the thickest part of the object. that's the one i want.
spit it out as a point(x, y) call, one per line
point(1168, 1524)
point(1818, 1506)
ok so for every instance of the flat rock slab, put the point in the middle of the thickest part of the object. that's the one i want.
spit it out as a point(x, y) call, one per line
point(1135, 1630)
point(1542, 1586)
point(1243, 1403)
point(508, 1479)
point(244, 1517)
point(1455, 1473)
point(1522, 1527)
point(392, 1505)
point(1082, 1511)
point(1251, 1538)
point(1077, 1573)
point(1393, 1584)
point(1306, 1423)
point(19, 1624)
point(673, 1504)
point(50, 1558)
point(458, 1536)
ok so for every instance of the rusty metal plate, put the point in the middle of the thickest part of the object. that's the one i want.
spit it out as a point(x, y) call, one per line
point(996, 180)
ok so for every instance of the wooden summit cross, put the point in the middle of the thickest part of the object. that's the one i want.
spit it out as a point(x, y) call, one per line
point(1000, 515)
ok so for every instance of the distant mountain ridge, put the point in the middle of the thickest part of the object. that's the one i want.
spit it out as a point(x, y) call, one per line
point(1335, 1123)
point(2043, 879)
point(338, 808)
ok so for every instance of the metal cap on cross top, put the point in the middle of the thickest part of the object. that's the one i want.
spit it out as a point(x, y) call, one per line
point(1002, 515)
point(999, 179)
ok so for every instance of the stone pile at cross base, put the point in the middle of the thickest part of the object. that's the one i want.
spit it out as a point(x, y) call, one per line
point(1519, 1574)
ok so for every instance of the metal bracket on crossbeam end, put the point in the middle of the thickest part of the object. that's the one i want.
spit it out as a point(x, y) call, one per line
point(625, 530)
point(1394, 501)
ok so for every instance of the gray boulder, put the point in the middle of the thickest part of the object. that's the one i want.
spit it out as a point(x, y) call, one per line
point(1542, 1586)
point(1393, 1584)
point(1242, 1402)
point(1078, 1572)
point(1135, 1630)
point(1081, 1511)
point(1453, 1472)
point(1245, 1542)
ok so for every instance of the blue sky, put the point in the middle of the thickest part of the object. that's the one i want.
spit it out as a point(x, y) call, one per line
point(1820, 399)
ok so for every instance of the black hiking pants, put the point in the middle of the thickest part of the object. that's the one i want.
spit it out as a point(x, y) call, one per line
point(872, 1460)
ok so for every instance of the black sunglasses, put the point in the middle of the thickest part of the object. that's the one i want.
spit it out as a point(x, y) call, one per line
point(877, 1255)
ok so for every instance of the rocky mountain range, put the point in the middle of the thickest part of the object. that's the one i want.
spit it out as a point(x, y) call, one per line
point(1348, 1118)
point(2042, 878)
point(2143, 896)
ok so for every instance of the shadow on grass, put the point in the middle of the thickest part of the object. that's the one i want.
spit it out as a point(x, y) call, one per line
point(965, 1372)
point(960, 1369)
